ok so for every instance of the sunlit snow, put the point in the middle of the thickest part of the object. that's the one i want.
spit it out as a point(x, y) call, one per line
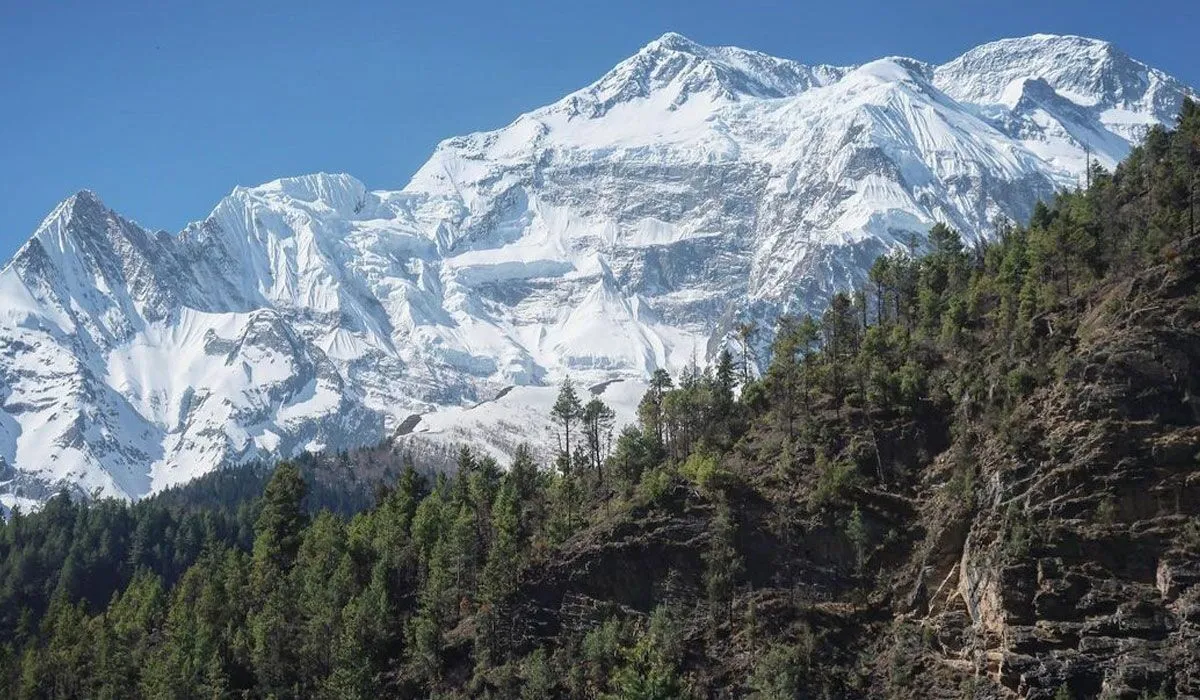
point(627, 227)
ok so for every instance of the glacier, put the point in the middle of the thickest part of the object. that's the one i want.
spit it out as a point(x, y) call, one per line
point(629, 226)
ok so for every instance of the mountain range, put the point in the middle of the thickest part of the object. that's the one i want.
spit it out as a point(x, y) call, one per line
point(630, 226)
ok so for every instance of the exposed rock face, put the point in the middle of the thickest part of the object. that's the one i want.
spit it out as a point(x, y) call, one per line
point(1081, 568)
point(1071, 560)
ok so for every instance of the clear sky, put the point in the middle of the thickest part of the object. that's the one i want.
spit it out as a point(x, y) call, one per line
point(163, 106)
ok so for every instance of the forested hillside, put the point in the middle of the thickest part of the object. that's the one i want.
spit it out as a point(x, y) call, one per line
point(975, 477)
point(87, 552)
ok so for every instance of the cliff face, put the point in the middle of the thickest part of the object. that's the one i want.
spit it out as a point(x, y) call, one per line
point(1049, 547)
point(1077, 563)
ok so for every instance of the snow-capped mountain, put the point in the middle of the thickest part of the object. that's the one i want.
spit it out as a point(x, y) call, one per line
point(628, 226)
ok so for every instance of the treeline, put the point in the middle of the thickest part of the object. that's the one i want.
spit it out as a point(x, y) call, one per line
point(87, 552)
point(420, 595)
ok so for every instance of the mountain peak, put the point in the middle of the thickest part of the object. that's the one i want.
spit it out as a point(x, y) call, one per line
point(83, 203)
point(681, 69)
point(84, 197)
point(626, 227)
point(338, 191)
point(893, 69)
point(1049, 38)
point(674, 41)
point(313, 186)
point(79, 212)
point(1065, 47)
point(1084, 70)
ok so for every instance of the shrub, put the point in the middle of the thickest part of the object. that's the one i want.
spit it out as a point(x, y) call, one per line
point(1018, 533)
point(1020, 382)
point(961, 486)
point(538, 676)
point(833, 483)
point(777, 674)
point(654, 484)
point(705, 471)
point(856, 532)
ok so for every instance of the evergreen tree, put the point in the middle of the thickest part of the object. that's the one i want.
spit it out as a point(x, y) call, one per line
point(648, 671)
point(528, 489)
point(504, 561)
point(650, 410)
point(597, 420)
point(784, 377)
point(280, 524)
point(565, 413)
point(745, 333)
point(724, 384)
point(538, 677)
point(841, 335)
point(722, 563)
point(634, 454)
point(324, 583)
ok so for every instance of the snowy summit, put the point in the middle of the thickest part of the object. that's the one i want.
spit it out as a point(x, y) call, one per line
point(627, 227)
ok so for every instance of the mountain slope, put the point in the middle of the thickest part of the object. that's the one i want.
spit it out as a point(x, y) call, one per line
point(983, 487)
point(627, 227)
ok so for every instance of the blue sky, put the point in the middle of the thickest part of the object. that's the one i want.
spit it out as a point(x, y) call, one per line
point(163, 107)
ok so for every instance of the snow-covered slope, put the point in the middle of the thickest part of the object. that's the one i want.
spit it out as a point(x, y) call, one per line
point(628, 226)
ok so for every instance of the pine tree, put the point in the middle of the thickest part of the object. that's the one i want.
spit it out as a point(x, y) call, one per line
point(498, 581)
point(650, 409)
point(529, 493)
point(463, 544)
point(856, 532)
point(565, 413)
point(807, 334)
point(880, 277)
point(647, 672)
point(777, 674)
point(597, 420)
point(127, 628)
point(633, 454)
point(841, 334)
point(429, 522)
point(324, 582)
point(63, 666)
point(724, 382)
point(746, 332)
point(274, 630)
point(784, 376)
point(538, 676)
point(366, 636)
point(280, 524)
point(722, 563)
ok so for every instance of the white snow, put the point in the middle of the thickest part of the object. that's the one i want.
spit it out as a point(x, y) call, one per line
point(624, 228)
